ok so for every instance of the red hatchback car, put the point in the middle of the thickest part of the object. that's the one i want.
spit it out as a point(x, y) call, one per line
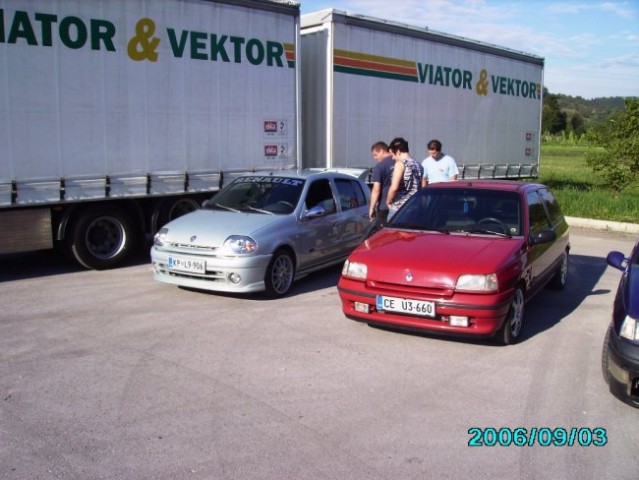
point(460, 258)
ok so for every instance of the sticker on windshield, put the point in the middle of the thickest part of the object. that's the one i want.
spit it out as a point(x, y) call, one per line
point(295, 182)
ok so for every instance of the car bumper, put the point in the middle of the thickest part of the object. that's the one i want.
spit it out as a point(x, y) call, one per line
point(251, 271)
point(623, 369)
point(486, 313)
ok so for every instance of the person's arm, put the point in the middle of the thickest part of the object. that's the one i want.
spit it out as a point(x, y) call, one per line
point(398, 174)
point(454, 171)
point(375, 194)
point(424, 176)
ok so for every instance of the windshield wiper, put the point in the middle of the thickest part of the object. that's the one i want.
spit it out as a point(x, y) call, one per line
point(488, 231)
point(224, 207)
point(418, 226)
point(260, 210)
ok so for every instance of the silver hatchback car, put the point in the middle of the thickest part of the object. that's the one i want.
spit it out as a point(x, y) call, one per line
point(263, 231)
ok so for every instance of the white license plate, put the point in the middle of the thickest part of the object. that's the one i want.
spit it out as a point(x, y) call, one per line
point(187, 264)
point(406, 305)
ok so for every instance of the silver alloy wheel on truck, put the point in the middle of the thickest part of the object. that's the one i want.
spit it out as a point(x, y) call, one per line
point(101, 238)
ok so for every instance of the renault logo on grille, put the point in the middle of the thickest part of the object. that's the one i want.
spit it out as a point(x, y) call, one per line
point(409, 276)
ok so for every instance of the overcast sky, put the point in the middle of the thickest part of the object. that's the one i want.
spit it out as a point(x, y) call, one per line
point(590, 47)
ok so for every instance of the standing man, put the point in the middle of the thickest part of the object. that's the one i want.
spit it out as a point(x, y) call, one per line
point(438, 167)
point(381, 180)
point(407, 176)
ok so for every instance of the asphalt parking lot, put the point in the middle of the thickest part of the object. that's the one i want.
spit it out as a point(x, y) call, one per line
point(111, 375)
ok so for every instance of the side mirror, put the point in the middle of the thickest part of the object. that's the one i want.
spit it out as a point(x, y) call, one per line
point(545, 236)
point(314, 212)
point(617, 260)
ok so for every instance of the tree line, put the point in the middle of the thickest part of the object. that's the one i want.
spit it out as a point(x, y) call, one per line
point(566, 114)
point(609, 127)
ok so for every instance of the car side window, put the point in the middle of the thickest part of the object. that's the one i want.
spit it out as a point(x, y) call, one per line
point(321, 195)
point(536, 214)
point(551, 205)
point(350, 194)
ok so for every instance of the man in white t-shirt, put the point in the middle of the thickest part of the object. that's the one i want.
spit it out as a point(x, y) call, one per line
point(438, 167)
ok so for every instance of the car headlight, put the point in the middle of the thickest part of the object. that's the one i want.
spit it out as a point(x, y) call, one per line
point(355, 270)
point(160, 237)
point(238, 244)
point(478, 283)
point(629, 329)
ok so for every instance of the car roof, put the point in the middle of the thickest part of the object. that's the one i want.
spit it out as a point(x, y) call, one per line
point(490, 184)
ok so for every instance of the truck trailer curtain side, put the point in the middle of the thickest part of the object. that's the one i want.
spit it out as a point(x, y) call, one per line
point(120, 115)
point(368, 79)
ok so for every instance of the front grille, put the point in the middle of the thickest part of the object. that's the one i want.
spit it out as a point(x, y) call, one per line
point(410, 289)
point(187, 247)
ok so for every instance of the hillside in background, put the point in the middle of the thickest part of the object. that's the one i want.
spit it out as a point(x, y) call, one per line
point(563, 113)
point(596, 110)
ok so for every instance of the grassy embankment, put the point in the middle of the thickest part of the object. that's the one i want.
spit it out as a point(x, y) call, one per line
point(579, 192)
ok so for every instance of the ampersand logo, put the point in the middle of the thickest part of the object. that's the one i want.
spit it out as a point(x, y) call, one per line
point(143, 45)
point(482, 85)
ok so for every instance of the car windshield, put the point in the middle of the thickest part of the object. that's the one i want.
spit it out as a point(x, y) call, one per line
point(481, 211)
point(265, 195)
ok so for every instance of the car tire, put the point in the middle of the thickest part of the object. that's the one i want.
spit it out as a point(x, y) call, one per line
point(279, 274)
point(558, 281)
point(604, 356)
point(513, 325)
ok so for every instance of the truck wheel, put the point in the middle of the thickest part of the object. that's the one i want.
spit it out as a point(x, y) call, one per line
point(174, 208)
point(101, 238)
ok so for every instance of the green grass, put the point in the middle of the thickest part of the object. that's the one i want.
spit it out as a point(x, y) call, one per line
point(579, 191)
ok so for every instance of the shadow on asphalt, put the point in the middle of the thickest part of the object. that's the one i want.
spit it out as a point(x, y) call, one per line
point(549, 307)
point(543, 312)
point(319, 280)
point(43, 263)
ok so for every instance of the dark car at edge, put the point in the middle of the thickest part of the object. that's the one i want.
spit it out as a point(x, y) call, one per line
point(620, 356)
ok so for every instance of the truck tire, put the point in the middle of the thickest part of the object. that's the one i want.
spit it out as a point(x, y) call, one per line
point(101, 238)
point(171, 209)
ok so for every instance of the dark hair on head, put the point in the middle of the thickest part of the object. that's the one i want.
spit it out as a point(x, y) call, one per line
point(398, 145)
point(379, 146)
point(435, 145)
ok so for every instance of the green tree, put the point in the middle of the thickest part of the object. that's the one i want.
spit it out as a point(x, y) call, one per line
point(617, 159)
point(553, 119)
point(577, 123)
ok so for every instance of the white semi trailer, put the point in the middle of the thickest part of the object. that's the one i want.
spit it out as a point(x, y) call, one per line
point(366, 79)
point(119, 115)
